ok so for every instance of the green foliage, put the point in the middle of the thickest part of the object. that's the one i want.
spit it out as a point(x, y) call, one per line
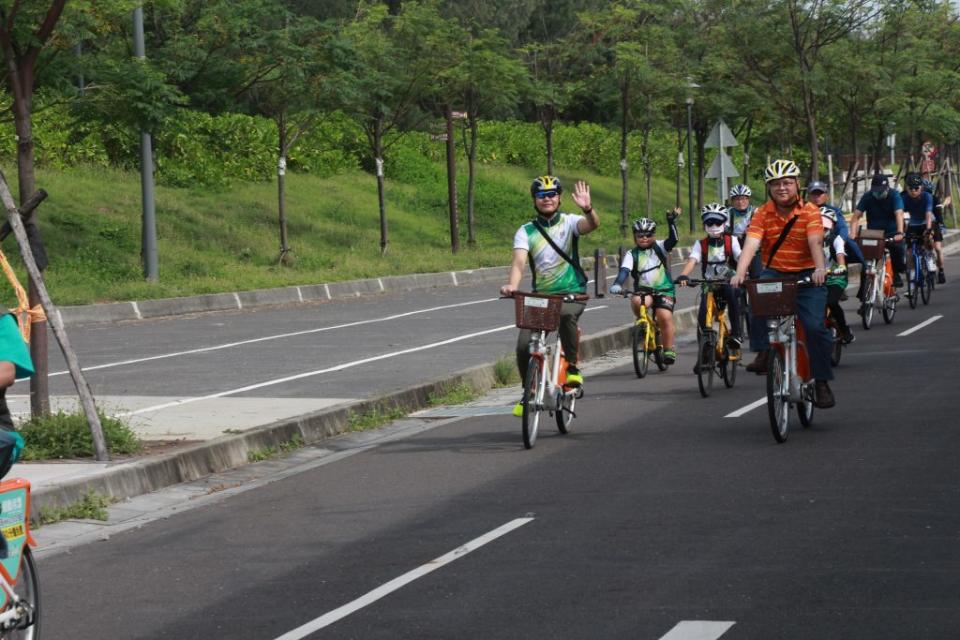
point(92, 506)
point(505, 371)
point(67, 435)
point(373, 419)
point(266, 453)
point(458, 394)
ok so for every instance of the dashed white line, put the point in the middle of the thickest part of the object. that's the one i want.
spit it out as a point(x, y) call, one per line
point(342, 612)
point(750, 407)
point(698, 630)
point(923, 324)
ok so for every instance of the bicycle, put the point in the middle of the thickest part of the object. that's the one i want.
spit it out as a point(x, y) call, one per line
point(19, 585)
point(544, 386)
point(789, 379)
point(921, 276)
point(837, 337)
point(877, 267)
point(714, 354)
point(645, 342)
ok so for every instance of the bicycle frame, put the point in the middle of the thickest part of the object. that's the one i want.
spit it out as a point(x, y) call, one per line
point(551, 377)
point(787, 337)
point(646, 319)
point(15, 528)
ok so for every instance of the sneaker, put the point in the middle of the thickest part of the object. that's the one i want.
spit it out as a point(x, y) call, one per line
point(848, 336)
point(518, 409)
point(941, 278)
point(844, 297)
point(897, 281)
point(734, 342)
point(574, 377)
point(669, 356)
point(759, 364)
point(824, 396)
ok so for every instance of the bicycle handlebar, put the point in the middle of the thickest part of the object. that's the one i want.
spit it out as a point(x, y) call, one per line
point(566, 297)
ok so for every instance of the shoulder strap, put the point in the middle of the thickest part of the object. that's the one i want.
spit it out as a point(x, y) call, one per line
point(783, 236)
point(560, 252)
point(663, 258)
point(703, 257)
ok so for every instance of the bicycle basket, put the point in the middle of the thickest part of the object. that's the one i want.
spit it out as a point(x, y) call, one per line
point(535, 311)
point(871, 244)
point(773, 297)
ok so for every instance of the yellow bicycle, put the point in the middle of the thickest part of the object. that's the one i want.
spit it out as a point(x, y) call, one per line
point(715, 353)
point(645, 336)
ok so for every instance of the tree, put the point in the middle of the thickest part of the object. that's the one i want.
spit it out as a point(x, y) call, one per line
point(392, 64)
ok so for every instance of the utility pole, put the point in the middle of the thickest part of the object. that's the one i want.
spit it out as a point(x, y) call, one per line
point(148, 236)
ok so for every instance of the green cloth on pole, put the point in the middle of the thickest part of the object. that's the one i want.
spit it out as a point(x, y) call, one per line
point(13, 348)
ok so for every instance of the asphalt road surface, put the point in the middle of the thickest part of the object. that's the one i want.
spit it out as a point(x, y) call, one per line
point(659, 516)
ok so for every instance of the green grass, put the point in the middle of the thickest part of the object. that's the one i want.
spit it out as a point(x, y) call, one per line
point(266, 453)
point(228, 240)
point(505, 371)
point(67, 435)
point(93, 506)
point(373, 419)
point(458, 394)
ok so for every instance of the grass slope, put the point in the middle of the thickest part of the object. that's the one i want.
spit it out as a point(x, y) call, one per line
point(228, 240)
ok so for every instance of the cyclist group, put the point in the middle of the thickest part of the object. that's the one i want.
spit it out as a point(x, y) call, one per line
point(786, 236)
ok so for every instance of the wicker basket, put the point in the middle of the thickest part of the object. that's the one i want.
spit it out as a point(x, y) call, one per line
point(772, 297)
point(871, 243)
point(536, 311)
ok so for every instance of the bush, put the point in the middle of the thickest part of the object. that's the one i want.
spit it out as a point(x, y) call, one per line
point(67, 435)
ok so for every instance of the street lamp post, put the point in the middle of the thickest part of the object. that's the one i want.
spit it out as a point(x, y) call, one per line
point(690, 160)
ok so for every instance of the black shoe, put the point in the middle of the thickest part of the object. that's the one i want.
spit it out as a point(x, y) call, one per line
point(734, 342)
point(824, 397)
point(844, 297)
point(759, 364)
point(848, 336)
point(897, 281)
point(941, 278)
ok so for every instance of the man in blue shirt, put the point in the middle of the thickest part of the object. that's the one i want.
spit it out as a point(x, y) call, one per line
point(918, 204)
point(884, 210)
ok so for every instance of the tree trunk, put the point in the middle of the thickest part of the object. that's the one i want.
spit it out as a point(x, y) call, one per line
point(281, 193)
point(647, 173)
point(378, 159)
point(471, 180)
point(624, 131)
point(452, 183)
point(746, 152)
point(808, 107)
point(679, 151)
point(548, 130)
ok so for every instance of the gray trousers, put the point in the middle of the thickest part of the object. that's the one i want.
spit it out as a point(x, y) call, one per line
point(570, 314)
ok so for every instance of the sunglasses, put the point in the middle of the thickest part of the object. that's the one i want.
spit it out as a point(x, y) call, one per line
point(540, 195)
point(914, 188)
point(644, 234)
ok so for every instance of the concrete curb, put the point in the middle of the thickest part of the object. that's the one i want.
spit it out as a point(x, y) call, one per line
point(127, 480)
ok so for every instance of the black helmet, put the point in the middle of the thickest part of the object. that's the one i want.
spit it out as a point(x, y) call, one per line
point(913, 180)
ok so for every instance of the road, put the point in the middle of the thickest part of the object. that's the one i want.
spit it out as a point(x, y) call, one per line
point(658, 517)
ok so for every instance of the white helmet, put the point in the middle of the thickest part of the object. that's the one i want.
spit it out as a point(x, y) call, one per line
point(781, 169)
point(830, 217)
point(644, 225)
point(740, 190)
point(714, 212)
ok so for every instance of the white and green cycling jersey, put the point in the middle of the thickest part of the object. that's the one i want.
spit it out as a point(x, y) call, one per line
point(648, 269)
point(551, 273)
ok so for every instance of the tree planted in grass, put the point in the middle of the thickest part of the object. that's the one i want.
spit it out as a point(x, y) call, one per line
point(67, 435)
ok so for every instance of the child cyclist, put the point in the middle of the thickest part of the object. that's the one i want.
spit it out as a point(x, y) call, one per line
point(835, 261)
point(649, 264)
point(717, 255)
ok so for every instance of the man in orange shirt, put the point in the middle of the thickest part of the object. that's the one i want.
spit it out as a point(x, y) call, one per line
point(799, 254)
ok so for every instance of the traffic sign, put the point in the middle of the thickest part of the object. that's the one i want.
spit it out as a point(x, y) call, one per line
point(722, 167)
point(720, 136)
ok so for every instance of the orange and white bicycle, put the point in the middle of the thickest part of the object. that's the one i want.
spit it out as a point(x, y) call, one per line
point(19, 585)
point(545, 387)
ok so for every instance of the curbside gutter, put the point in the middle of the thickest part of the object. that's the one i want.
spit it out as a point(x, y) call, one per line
point(130, 479)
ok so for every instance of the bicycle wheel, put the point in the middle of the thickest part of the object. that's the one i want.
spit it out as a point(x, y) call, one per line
point(531, 406)
point(565, 411)
point(658, 352)
point(912, 288)
point(728, 368)
point(805, 411)
point(889, 309)
point(641, 358)
point(707, 354)
point(837, 350)
point(927, 287)
point(778, 396)
point(28, 589)
point(866, 307)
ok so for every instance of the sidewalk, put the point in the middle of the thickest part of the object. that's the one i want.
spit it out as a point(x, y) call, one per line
point(196, 444)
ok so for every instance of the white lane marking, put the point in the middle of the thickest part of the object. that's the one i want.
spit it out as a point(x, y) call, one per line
point(308, 374)
point(919, 326)
point(278, 336)
point(750, 407)
point(342, 612)
point(698, 630)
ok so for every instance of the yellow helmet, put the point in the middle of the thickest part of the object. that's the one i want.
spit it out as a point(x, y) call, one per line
point(781, 169)
point(546, 183)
